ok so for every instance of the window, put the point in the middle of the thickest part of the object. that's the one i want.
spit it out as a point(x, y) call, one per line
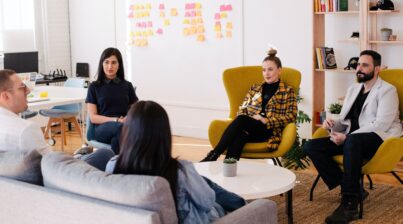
point(17, 25)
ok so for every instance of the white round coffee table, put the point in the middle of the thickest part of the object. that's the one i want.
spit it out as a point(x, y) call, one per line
point(253, 180)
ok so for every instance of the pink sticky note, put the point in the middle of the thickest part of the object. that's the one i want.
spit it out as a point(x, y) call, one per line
point(192, 5)
point(228, 8)
point(138, 24)
point(159, 31)
point(217, 16)
point(218, 23)
point(222, 8)
point(130, 15)
point(187, 14)
point(187, 6)
point(161, 7)
point(193, 13)
point(143, 24)
point(149, 24)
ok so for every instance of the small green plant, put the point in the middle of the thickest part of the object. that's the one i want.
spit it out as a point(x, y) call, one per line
point(386, 29)
point(230, 160)
point(335, 108)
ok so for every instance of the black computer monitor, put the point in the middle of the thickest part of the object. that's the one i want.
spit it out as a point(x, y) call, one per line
point(21, 61)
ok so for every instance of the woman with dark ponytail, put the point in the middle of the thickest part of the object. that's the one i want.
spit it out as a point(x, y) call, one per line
point(267, 108)
point(146, 149)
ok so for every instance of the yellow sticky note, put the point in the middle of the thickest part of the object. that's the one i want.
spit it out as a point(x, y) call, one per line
point(144, 33)
point(229, 34)
point(198, 5)
point(43, 94)
point(137, 33)
point(200, 29)
point(229, 25)
point(224, 15)
point(201, 38)
point(199, 20)
point(174, 12)
point(186, 21)
point(148, 6)
point(131, 33)
point(166, 22)
point(150, 32)
point(162, 14)
point(193, 21)
point(146, 14)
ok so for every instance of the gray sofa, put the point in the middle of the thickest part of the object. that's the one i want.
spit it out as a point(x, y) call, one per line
point(75, 192)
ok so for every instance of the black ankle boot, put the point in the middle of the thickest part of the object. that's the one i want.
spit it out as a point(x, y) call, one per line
point(346, 212)
point(211, 156)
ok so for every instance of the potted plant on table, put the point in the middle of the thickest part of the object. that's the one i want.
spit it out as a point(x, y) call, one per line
point(385, 33)
point(334, 110)
point(229, 167)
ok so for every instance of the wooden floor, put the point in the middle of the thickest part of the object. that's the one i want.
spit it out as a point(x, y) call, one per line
point(195, 149)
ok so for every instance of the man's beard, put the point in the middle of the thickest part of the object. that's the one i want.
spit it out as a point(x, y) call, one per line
point(365, 77)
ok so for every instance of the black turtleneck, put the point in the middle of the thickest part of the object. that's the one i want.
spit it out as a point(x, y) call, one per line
point(268, 90)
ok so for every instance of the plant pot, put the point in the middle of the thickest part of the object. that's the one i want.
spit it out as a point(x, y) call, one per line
point(229, 169)
point(332, 116)
point(385, 35)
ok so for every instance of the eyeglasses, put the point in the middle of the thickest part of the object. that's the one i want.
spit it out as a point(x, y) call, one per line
point(22, 86)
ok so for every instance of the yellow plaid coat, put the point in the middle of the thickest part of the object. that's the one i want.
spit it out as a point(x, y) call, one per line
point(280, 110)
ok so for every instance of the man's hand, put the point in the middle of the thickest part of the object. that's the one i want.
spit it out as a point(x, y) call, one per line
point(337, 137)
point(260, 118)
point(328, 124)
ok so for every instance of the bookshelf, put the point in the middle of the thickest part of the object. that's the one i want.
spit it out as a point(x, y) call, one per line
point(369, 39)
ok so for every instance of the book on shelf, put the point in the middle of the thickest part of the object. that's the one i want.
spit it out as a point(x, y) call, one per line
point(325, 58)
point(330, 5)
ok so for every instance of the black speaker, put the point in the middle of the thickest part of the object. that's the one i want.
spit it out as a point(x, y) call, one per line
point(83, 70)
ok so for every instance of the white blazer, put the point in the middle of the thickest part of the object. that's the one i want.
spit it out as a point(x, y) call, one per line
point(379, 114)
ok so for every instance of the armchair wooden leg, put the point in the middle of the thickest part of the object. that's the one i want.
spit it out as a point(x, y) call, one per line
point(361, 198)
point(313, 187)
point(397, 177)
point(278, 162)
point(371, 185)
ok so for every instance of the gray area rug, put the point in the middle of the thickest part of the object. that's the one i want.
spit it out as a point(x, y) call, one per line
point(383, 205)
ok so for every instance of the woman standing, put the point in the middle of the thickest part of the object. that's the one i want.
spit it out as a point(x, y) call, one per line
point(265, 111)
point(109, 98)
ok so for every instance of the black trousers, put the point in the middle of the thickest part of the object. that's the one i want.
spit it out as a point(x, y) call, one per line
point(357, 149)
point(242, 130)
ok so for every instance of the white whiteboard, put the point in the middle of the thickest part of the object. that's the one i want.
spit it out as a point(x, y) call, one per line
point(177, 69)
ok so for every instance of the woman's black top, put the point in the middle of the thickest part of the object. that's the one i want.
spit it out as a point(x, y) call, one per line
point(268, 90)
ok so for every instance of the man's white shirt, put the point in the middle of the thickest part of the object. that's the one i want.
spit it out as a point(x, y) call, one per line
point(19, 134)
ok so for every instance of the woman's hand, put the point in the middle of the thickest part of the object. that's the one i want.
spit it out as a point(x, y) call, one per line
point(328, 124)
point(337, 137)
point(260, 118)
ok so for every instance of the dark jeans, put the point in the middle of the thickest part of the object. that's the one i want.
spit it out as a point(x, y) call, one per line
point(228, 200)
point(242, 130)
point(109, 133)
point(99, 158)
point(356, 150)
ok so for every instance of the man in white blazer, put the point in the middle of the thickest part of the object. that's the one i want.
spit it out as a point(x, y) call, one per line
point(370, 114)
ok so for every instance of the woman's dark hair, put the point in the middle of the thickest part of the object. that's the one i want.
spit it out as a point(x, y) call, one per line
point(272, 57)
point(146, 144)
point(106, 54)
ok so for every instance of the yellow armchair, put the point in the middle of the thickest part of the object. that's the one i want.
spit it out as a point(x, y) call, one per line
point(391, 150)
point(237, 82)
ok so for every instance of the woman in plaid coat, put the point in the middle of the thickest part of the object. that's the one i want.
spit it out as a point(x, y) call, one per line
point(266, 110)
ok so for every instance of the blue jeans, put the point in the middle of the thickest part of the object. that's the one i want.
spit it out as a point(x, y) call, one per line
point(109, 133)
point(228, 200)
point(99, 158)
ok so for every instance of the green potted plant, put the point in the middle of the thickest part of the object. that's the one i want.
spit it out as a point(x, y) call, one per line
point(334, 110)
point(295, 158)
point(385, 33)
point(230, 167)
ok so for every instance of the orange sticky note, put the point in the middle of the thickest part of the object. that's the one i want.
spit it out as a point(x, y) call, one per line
point(198, 13)
point(218, 35)
point(217, 27)
point(199, 20)
point(174, 12)
point(200, 29)
point(229, 34)
point(186, 32)
point(193, 21)
point(162, 14)
point(193, 30)
point(150, 32)
point(201, 38)
point(229, 25)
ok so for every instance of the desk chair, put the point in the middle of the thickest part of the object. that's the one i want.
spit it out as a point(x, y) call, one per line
point(64, 113)
point(237, 82)
point(388, 154)
point(91, 136)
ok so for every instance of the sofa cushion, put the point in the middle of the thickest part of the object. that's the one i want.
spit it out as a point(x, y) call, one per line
point(21, 165)
point(66, 173)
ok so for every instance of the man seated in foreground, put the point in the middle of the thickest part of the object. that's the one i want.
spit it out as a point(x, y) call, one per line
point(370, 114)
